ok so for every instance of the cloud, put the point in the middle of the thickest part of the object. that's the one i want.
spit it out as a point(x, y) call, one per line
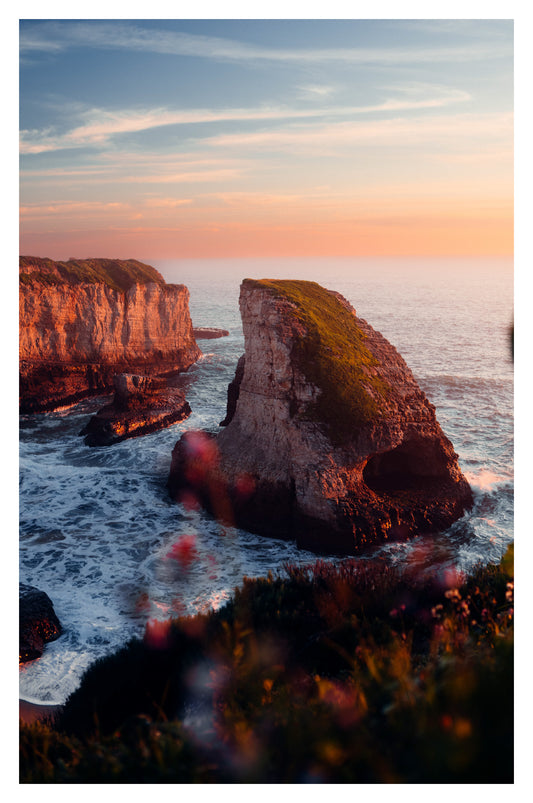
point(461, 132)
point(52, 35)
point(167, 203)
point(71, 207)
point(98, 126)
point(316, 90)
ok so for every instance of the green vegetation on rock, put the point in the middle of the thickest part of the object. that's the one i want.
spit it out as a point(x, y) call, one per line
point(119, 274)
point(333, 356)
point(348, 673)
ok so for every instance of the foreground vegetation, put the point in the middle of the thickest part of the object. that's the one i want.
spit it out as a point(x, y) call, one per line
point(336, 674)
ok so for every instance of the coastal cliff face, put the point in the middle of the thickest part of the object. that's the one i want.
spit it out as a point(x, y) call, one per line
point(330, 441)
point(81, 322)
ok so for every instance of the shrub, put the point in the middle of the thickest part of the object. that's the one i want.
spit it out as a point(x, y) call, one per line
point(348, 673)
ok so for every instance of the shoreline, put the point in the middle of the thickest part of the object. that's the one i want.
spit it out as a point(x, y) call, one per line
point(37, 712)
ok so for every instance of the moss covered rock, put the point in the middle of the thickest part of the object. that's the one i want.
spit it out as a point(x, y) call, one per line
point(330, 440)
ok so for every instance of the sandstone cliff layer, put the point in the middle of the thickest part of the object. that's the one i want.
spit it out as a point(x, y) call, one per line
point(329, 439)
point(82, 321)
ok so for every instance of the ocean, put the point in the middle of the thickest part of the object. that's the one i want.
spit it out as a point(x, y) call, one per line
point(96, 524)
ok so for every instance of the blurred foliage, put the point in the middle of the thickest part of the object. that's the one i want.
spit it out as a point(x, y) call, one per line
point(350, 673)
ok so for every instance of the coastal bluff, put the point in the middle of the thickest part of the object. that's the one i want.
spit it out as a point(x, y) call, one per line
point(83, 321)
point(329, 439)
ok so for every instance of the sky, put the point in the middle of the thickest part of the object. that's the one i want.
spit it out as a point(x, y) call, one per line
point(167, 139)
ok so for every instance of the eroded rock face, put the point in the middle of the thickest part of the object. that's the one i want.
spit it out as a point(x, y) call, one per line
point(38, 622)
point(331, 442)
point(75, 335)
point(142, 404)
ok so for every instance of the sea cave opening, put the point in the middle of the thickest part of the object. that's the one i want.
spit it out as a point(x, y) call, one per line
point(404, 468)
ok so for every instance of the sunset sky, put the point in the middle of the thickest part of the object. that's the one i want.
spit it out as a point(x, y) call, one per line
point(162, 139)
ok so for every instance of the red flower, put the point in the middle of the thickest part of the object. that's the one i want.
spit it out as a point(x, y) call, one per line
point(184, 551)
point(157, 633)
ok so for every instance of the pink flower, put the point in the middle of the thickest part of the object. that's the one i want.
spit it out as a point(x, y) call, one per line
point(157, 633)
point(183, 551)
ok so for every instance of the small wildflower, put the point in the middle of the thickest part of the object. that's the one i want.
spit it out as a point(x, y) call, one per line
point(453, 594)
point(183, 551)
point(157, 633)
point(463, 728)
point(446, 722)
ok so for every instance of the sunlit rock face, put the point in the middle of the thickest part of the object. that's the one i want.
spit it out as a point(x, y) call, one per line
point(83, 321)
point(330, 440)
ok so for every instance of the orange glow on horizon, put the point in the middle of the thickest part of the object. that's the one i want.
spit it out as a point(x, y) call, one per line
point(415, 236)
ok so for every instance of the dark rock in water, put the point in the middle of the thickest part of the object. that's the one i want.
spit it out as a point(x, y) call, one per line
point(209, 333)
point(233, 392)
point(38, 622)
point(329, 439)
point(142, 404)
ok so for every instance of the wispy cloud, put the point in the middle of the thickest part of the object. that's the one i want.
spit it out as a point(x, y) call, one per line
point(461, 132)
point(49, 36)
point(71, 207)
point(167, 203)
point(98, 126)
point(318, 91)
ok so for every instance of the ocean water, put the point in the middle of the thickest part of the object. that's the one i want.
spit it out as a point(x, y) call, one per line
point(97, 526)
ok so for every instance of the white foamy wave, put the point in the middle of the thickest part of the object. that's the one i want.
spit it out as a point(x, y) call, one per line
point(486, 480)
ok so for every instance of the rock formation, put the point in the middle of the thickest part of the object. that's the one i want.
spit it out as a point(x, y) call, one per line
point(209, 333)
point(83, 321)
point(330, 441)
point(38, 622)
point(141, 404)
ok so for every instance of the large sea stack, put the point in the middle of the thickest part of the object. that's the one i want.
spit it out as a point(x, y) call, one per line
point(83, 321)
point(329, 440)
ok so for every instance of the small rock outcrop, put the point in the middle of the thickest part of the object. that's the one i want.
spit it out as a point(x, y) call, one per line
point(38, 622)
point(83, 321)
point(142, 404)
point(329, 439)
point(209, 333)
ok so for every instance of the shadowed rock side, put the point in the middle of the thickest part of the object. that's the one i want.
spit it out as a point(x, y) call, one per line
point(233, 392)
point(331, 441)
point(83, 321)
point(142, 404)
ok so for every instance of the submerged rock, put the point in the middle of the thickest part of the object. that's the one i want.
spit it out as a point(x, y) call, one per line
point(142, 404)
point(38, 622)
point(329, 439)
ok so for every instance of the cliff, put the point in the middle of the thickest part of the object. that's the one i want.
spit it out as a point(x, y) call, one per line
point(82, 321)
point(331, 440)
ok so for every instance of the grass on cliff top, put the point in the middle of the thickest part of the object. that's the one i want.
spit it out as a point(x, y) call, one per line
point(347, 673)
point(119, 274)
point(333, 357)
